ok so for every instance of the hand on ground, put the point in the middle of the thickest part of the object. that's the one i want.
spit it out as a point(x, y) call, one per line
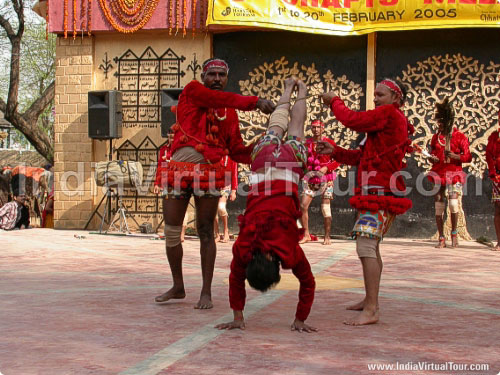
point(240, 324)
point(299, 325)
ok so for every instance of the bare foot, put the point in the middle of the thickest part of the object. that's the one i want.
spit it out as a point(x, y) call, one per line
point(496, 248)
point(225, 239)
point(205, 302)
point(177, 293)
point(454, 241)
point(290, 82)
point(301, 85)
point(217, 237)
point(327, 241)
point(305, 239)
point(357, 306)
point(364, 318)
point(441, 243)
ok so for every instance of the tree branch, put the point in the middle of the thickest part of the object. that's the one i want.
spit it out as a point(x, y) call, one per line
point(7, 27)
point(39, 105)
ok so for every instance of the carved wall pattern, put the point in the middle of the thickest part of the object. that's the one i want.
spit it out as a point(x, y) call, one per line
point(141, 201)
point(266, 81)
point(141, 78)
point(474, 91)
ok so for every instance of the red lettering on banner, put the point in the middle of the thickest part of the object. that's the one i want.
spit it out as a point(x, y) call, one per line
point(291, 2)
point(331, 3)
point(439, 1)
point(388, 2)
point(487, 1)
point(314, 3)
point(369, 3)
point(467, 1)
point(347, 3)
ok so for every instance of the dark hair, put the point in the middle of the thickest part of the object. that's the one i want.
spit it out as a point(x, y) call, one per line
point(445, 115)
point(403, 90)
point(262, 273)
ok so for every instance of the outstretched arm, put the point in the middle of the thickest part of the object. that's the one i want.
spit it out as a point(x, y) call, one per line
point(363, 121)
point(339, 154)
point(306, 293)
point(237, 295)
point(204, 97)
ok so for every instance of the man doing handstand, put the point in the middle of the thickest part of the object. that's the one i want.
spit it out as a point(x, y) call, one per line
point(269, 236)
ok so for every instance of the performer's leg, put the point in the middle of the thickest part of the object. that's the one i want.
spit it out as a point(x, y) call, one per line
point(360, 305)
point(299, 112)
point(304, 207)
point(454, 207)
point(367, 251)
point(327, 217)
point(278, 121)
point(206, 208)
point(222, 214)
point(184, 226)
point(183, 232)
point(497, 225)
point(439, 207)
point(216, 228)
point(173, 215)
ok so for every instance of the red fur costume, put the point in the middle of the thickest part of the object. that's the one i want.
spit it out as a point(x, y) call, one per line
point(163, 159)
point(493, 156)
point(316, 161)
point(443, 173)
point(380, 158)
point(207, 120)
point(231, 167)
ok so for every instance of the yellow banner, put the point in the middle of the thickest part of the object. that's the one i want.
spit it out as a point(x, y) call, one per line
point(348, 17)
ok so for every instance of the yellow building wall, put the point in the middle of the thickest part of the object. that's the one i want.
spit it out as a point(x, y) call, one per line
point(138, 65)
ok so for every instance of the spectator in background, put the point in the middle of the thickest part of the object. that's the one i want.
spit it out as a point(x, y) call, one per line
point(11, 212)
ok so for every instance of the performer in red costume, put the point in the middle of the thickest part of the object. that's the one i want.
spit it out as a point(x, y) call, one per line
point(228, 192)
point(269, 235)
point(318, 181)
point(447, 170)
point(493, 160)
point(206, 130)
point(378, 196)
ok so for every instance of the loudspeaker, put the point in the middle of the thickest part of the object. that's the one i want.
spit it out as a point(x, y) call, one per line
point(105, 114)
point(169, 98)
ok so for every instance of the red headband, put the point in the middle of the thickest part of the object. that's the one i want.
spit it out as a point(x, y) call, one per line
point(393, 86)
point(217, 63)
point(318, 122)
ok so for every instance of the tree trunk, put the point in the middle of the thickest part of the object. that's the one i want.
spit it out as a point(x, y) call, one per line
point(26, 123)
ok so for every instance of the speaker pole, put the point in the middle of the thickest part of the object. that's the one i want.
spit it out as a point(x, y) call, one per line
point(110, 155)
